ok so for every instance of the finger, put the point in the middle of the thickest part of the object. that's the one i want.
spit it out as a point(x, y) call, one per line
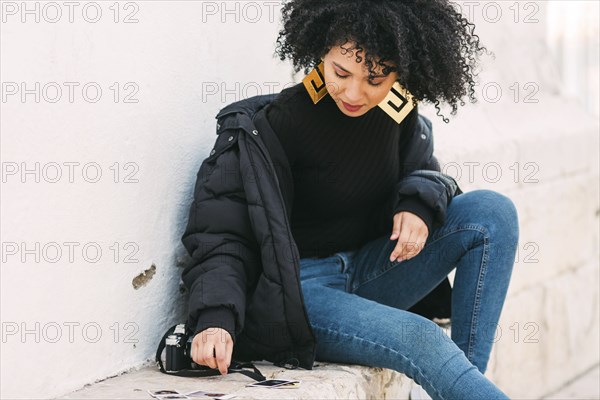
point(222, 358)
point(417, 246)
point(207, 350)
point(421, 240)
point(396, 252)
point(193, 350)
point(196, 349)
point(396, 226)
point(411, 250)
point(208, 355)
point(229, 350)
point(405, 242)
point(398, 249)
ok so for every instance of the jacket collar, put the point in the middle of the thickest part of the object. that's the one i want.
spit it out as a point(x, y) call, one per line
point(241, 113)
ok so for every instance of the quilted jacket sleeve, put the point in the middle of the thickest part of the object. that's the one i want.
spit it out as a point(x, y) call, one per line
point(219, 239)
point(423, 190)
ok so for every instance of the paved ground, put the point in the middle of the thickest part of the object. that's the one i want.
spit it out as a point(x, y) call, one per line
point(585, 388)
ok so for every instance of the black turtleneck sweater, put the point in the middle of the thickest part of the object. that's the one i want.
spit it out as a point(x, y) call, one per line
point(345, 170)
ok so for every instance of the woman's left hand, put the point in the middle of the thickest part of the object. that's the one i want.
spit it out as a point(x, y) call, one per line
point(411, 232)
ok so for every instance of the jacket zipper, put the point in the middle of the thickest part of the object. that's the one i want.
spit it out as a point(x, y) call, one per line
point(296, 265)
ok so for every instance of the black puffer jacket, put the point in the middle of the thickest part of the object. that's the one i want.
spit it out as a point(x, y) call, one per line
point(243, 275)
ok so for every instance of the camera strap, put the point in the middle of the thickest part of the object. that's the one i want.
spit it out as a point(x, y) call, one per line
point(204, 370)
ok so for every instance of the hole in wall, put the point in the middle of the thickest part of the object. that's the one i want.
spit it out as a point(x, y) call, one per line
point(143, 278)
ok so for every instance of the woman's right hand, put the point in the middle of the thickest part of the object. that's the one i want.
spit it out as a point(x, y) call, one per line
point(213, 347)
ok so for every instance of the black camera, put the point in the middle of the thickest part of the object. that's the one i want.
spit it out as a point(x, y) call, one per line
point(178, 343)
point(179, 350)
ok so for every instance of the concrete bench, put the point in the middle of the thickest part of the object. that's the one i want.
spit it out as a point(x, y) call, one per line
point(325, 381)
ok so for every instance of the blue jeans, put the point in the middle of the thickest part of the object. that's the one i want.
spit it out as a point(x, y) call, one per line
point(357, 300)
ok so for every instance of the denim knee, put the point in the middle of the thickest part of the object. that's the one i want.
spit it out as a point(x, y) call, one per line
point(497, 213)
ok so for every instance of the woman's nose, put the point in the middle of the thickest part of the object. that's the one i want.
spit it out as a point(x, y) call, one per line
point(353, 93)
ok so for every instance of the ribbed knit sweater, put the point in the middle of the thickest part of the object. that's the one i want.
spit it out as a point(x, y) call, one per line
point(345, 170)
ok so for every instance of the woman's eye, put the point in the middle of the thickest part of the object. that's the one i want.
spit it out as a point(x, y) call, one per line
point(345, 76)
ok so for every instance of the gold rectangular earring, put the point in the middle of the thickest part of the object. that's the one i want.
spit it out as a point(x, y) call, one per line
point(314, 83)
point(398, 103)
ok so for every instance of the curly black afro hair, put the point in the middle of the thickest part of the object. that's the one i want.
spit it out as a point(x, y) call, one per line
point(428, 43)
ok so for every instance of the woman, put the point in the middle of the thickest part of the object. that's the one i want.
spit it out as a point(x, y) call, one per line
point(376, 233)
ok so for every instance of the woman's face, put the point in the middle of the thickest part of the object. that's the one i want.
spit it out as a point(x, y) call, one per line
point(348, 82)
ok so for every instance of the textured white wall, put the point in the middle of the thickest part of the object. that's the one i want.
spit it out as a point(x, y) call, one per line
point(173, 58)
point(528, 139)
point(185, 60)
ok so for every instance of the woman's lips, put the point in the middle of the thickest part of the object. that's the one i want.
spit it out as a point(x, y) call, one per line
point(350, 107)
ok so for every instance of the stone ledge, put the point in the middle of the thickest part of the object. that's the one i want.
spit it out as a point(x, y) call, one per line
point(324, 381)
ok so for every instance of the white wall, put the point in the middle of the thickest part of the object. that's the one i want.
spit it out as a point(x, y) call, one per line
point(174, 56)
point(574, 38)
point(528, 139)
point(175, 60)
